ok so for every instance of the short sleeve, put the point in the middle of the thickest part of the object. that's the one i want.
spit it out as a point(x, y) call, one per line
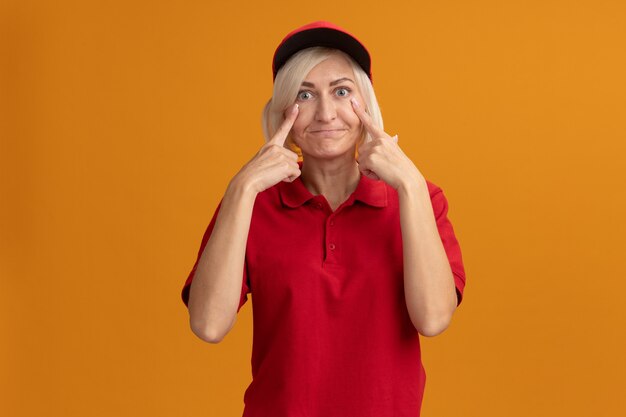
point(245, 286)
point(449, 240)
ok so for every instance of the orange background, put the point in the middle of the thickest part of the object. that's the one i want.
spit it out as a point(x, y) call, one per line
point(122, 122)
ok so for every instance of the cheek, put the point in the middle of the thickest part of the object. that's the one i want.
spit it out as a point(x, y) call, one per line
point(305, 117)
point(348, 115)
point(298, 127)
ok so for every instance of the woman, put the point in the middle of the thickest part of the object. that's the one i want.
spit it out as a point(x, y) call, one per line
point(349, 252)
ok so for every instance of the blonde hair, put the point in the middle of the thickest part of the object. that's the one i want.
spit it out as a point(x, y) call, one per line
point(288, 83)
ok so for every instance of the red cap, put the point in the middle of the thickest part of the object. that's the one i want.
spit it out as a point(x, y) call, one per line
point(324, 34)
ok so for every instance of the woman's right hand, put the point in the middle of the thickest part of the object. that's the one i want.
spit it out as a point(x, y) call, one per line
point(273, 162)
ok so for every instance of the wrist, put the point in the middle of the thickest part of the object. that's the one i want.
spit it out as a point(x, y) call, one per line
point(411, 184)
point(241, 187)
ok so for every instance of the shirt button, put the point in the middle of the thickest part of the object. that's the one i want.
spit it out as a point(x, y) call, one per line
point(332, 223)
point(332, 246)
point(318, 205)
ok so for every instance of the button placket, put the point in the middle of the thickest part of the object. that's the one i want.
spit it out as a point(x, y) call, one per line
point(331, 244)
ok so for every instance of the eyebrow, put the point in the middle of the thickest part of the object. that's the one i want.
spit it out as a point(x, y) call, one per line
point(340, 80)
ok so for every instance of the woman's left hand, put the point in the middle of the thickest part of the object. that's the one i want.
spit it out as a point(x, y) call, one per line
point(382, 158)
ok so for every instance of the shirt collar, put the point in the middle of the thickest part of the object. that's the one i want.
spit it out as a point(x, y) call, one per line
point(371, 192)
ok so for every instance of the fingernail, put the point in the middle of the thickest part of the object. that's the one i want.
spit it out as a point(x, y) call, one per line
point(295, 109)
point(356, 103)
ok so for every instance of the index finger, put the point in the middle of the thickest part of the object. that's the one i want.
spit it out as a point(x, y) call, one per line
point(366, 119)
point(281, 134)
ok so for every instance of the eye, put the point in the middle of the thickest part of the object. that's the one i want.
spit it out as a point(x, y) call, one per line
point(304, 95)
point(342, 92)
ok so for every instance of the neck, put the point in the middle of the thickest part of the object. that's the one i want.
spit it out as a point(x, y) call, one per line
point(335, 179)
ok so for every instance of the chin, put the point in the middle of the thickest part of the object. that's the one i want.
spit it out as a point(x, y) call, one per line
point(329, 154)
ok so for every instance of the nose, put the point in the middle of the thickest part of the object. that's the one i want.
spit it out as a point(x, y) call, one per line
point(325, 111)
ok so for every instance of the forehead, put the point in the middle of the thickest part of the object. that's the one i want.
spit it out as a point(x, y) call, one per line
point(334, 67)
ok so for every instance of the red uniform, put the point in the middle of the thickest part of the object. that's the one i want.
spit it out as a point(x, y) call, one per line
point(332, 334)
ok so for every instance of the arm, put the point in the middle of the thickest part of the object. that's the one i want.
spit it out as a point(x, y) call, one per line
point(216, 287)
point(215, 290)
point(429, 286)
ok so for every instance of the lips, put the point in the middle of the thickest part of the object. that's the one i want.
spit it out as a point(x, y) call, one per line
point(328, 133)
point(326, 130)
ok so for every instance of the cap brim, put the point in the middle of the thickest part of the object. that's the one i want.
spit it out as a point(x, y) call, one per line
point(325, 37)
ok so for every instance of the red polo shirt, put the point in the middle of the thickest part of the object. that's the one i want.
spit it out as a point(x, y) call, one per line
point(332, 334)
